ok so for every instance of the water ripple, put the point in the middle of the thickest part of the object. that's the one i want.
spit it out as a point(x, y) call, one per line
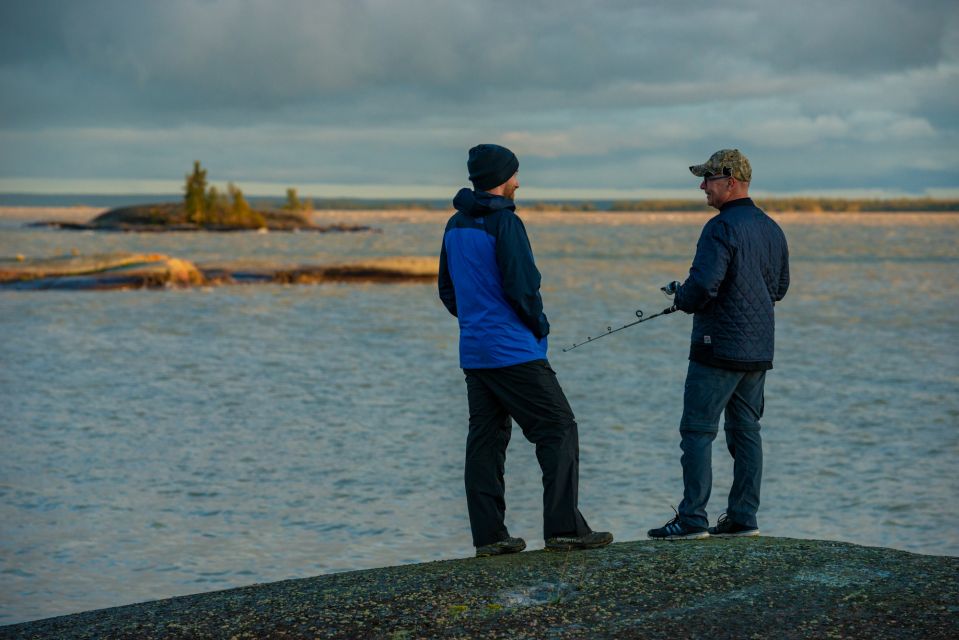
point(160, 443)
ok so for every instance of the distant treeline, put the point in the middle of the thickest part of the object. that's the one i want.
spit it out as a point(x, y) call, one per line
point(810, 204)
point(853, 205)
point(358, 204)
point(837, 205)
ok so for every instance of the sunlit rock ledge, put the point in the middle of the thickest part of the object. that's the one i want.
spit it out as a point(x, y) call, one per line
point(732, 588)
point(135, 271)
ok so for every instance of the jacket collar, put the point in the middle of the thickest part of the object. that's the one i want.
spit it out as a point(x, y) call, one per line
point(739, 202)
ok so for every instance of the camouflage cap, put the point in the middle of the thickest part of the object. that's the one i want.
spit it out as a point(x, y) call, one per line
point(730, 162)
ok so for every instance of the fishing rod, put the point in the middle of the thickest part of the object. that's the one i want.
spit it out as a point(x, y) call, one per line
point(609, 330)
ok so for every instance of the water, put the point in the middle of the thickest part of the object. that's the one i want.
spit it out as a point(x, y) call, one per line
point(158, 443)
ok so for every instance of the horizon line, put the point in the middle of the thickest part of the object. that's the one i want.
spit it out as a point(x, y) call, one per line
point(133, 187)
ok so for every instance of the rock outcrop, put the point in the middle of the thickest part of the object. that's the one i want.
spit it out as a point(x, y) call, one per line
point(733, 588)
point(105, 271)
point(138, 271)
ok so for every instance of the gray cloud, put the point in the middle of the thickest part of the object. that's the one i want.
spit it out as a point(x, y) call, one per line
point(853, 37)
point(185, 57)
point(333, 88)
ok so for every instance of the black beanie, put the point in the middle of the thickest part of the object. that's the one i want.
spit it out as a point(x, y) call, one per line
point(490, 165)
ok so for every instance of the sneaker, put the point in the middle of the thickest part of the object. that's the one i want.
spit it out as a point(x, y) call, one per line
point(510, 545)
point(726, 528)
point(675, 529)
point(591, 540)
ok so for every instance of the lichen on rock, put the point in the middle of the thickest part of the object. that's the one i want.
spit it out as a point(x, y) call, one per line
point(738, 588)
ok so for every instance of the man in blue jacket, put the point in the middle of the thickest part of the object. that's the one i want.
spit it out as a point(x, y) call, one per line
point(489, 281)
point(741, 269)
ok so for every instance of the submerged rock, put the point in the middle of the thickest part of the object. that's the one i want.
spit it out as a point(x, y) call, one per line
point(386, 269)
point(136, 271)
point(731, 588)
point(103, 271)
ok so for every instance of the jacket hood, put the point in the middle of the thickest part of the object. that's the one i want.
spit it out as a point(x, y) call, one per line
point(480, 203)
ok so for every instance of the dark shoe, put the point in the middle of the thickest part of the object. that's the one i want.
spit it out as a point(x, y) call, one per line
point(591, 540)
point(676, 529)
point(726, 528)
point(510, 545)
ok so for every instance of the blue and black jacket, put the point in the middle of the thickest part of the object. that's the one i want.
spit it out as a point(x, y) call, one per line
point(740, 271)
point(489, 281)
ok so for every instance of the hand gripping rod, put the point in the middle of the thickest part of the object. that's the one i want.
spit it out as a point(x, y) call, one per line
point(609, 330)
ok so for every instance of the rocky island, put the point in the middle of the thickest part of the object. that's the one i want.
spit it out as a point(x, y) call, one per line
point(732, 588)
point(173, 216)
point(204, 208)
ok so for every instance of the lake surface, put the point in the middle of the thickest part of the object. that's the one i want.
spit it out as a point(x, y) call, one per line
point(160, 443)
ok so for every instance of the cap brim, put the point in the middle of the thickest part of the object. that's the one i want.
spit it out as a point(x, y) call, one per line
point(698, 170)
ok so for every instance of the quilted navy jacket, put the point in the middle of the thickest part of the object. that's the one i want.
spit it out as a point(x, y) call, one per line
point(489, 281)
point(740, 271)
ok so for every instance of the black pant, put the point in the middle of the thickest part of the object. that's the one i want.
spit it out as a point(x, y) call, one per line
point(531, 395)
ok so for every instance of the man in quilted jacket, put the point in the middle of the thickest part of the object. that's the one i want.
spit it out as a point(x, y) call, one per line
point(741, 269)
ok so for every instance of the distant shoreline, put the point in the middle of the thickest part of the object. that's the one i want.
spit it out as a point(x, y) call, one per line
point(693, 202)
point(614, 218)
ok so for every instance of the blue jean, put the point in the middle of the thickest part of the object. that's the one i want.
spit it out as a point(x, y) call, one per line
point(709, 393)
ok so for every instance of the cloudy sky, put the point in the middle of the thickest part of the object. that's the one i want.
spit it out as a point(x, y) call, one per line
point(384, 97)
